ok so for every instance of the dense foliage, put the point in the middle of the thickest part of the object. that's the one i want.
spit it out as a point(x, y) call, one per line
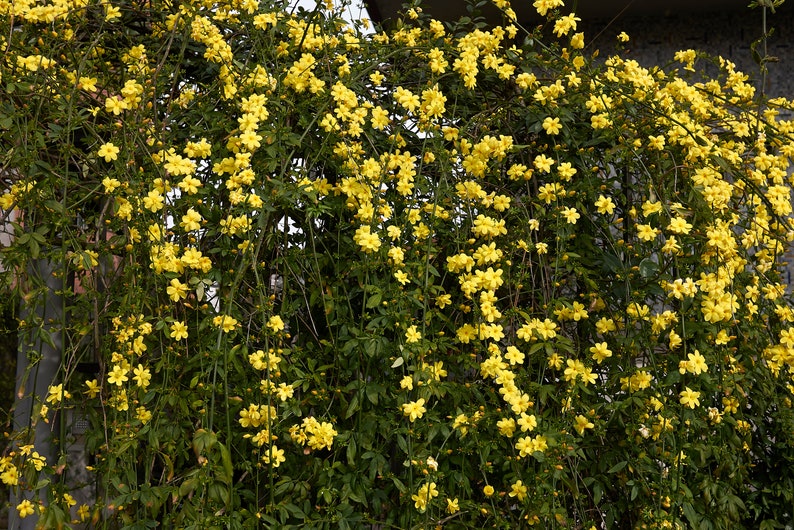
point(449, 275)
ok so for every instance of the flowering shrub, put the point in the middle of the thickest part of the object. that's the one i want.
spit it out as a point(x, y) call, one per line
point(446, 275)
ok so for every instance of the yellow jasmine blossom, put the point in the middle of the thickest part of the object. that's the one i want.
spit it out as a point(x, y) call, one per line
point(679, 225)
point(177, 290)
point(552, 126)
point(143, 415)
point(225, 322)
point(92, 388)
point(571, 215)
point(600, 352)
point(544, 6)
point(276, 323)
point(274, 456)
point(415, 409)
point(689, 398)
point(56, 394)
point(412, 335)
point(191, 220)
point(178, 330)
point(112, 12)
point(425, 494)
point(25, 508)
point(142, 376)
point(110, 184)
point(117, 375)
point(605, 205)
point(518, 490)
point(565, 24)
point(108, 151)
point(581, 423)
point(368, 241)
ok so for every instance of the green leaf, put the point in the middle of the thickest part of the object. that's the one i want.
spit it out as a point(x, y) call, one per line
point(598, 493)
point(203, 440)
point(648, 268)
point(352, 407)
point(351, 452)
point(374, 300)
point(226, 459)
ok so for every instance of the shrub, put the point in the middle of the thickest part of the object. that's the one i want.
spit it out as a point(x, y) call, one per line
point(449, 274)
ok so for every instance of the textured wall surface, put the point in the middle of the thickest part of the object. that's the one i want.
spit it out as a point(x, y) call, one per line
point(654, 40)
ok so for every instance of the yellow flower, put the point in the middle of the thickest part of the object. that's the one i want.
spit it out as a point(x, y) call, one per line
point(433, 103)
point(110, 184)
point(87, 83)
point(425, 494)
point(92, 388)
point(178, 330)
point(191, 220)
point(415, 409)
point(600, 352)
point(225, 322)
point(115, 105)
point(274, 456)
point(679, 225)
point(412, 335)
point(488, 490)
point(689, 398)
point(108, 151)
point(25, 508)
point(143, 415)
point(695, 364)
point(368, 241)
point(552, 125)
point(527, 422)
point(506, 426)
point(276, 323)
point(285, 391)
point(646, 232)
point(582, 423)
point(406, 99)
point(571, 215)
point(656, 142)
point(453, 506)
point(605, 205)
point(177, 290)
point(543, 163)
point(112, 12)
point(544, 6)
point(565, 24)
point(401, 277)
point(153, 201)
point(142, 376)
point(56, 394)
point(518, 490)
point(117, 376)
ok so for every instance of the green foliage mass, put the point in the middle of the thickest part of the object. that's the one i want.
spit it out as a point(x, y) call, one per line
point(449, 275)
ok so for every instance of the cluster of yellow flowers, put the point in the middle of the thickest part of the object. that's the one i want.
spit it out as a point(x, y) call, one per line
point(533, 260)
